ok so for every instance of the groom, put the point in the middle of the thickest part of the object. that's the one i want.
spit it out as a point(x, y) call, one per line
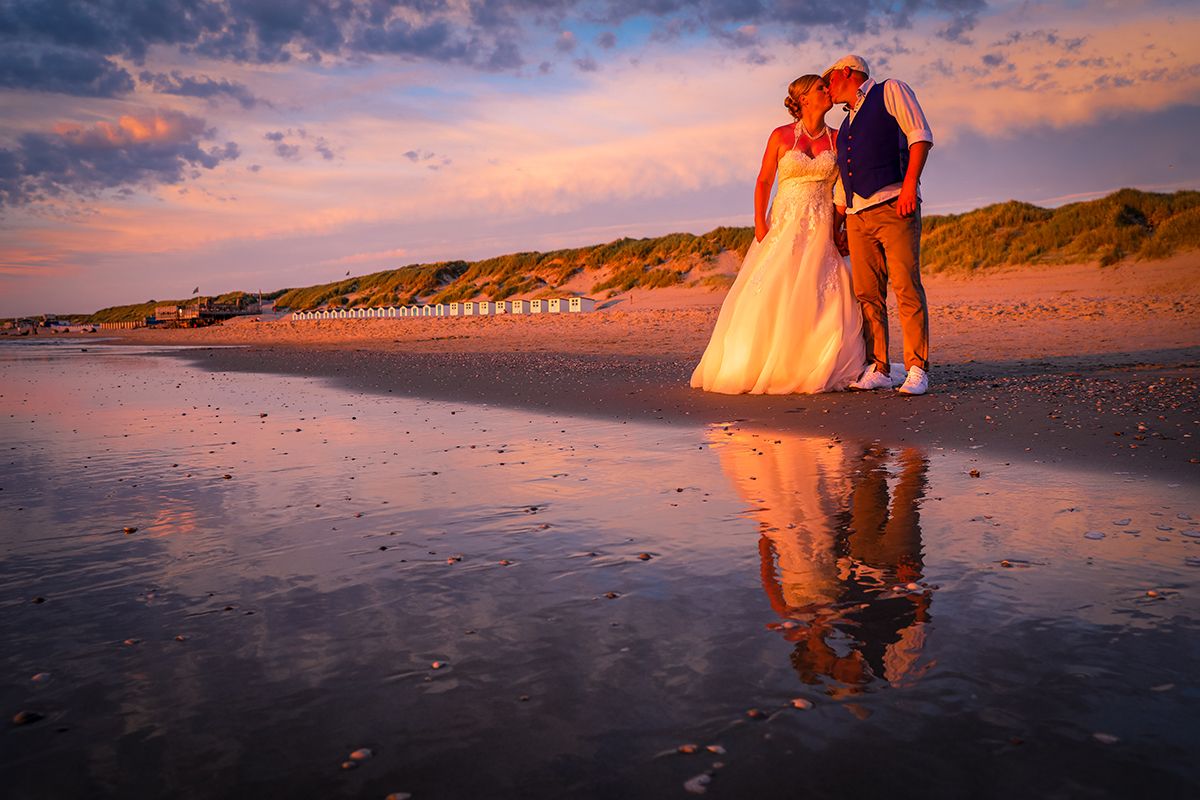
point(882, 147)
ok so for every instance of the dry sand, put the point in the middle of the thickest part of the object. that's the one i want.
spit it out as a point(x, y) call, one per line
point(1080, 364)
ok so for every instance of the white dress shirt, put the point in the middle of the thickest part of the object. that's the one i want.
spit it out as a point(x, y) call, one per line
point(901, 102)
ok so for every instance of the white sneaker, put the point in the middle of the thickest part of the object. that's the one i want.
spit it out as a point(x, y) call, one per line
point(873, 379)
point(917, 382)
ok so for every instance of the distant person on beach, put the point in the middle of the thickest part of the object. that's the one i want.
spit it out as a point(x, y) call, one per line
point(882, 147)
point(791, 323)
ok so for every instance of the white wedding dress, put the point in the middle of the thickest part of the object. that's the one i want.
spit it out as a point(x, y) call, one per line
point(791, 323)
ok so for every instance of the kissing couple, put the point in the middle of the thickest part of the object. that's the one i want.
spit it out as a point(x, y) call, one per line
point(796, 319)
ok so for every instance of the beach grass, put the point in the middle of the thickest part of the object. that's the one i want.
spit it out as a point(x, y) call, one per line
point(1126, 225)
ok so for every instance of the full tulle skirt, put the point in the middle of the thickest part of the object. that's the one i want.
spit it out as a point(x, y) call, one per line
point(791, 323)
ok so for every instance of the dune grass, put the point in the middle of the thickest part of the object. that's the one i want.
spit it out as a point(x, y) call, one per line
point(1128, 224)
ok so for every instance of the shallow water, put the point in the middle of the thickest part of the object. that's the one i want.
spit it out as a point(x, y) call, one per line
point(317, 551)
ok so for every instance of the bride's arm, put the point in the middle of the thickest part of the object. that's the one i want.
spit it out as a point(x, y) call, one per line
point(762, 187)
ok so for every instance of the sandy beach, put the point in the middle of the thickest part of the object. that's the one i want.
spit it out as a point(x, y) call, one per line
point(521, 558)
point(1081, 365)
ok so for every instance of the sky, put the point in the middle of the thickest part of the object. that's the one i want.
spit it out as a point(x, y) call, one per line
point(149, 147)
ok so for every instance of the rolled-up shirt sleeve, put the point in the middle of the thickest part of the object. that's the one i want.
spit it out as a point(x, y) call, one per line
point(901, 103)
point(839, 192)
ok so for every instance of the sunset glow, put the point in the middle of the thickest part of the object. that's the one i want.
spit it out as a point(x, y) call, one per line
point(250, 153)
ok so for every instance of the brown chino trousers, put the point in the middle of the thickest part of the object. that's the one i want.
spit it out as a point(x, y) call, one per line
point(885, 246)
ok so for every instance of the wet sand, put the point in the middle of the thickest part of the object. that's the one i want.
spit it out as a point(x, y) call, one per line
point(1077, 365)
point(220, 584)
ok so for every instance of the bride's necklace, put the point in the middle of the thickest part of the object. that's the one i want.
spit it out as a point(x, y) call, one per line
point(800, 129)
point(812, 136)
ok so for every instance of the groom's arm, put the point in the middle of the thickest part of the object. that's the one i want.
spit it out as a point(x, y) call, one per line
point(901, 102)
point(906, 203)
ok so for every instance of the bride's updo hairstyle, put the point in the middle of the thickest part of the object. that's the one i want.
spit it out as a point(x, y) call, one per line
point(796, 88)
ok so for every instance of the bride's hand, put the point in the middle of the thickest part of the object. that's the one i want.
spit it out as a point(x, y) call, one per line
point(841, 242)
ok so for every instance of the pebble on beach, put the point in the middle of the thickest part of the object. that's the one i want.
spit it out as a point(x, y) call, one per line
point(437, 665)
point(26, 717)
point(361, 754)
point(1093, 535)
point(801, 703)
point(129, 529)
point(698, 784)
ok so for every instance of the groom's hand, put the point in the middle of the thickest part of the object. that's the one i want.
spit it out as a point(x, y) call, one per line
point(906, 203)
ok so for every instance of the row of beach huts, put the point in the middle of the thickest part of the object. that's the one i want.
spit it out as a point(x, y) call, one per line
point(479, 308)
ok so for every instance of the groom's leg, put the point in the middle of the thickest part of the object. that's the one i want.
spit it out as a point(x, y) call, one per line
point(901, 239)
point(868, 269)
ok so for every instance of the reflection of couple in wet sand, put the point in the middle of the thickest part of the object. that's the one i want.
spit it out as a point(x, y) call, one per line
point(841, 552)
point(796, 320)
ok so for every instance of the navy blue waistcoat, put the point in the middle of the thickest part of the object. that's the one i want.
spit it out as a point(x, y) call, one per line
point(872, 151)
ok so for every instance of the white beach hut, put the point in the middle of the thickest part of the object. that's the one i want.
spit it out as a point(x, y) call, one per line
point(518, 306)
point(500, 307)
point(390, 311)
point(468, 309)
point(439, 309)
point(414, 311)
point(537, 306)
point(556, 305)
point(342, 313)
point(484, 308)
point(581, 304)
point(452, 309)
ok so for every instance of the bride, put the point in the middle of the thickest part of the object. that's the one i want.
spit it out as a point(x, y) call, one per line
point(791, 323)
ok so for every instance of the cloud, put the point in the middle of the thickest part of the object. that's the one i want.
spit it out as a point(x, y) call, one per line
point(70, 45)
point(61, 70)
point(160, 148)
point(566, 42)
point(428, 159)
point(322, 147)
point(290, 151)
point(203, 86)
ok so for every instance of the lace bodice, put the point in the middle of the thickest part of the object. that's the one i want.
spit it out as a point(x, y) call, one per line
point(796, 165)
point(805, 186)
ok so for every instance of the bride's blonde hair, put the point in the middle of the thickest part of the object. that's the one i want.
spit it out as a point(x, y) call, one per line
point(796, 88)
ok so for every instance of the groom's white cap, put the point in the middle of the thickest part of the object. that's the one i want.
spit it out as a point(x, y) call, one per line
point(856, 63)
